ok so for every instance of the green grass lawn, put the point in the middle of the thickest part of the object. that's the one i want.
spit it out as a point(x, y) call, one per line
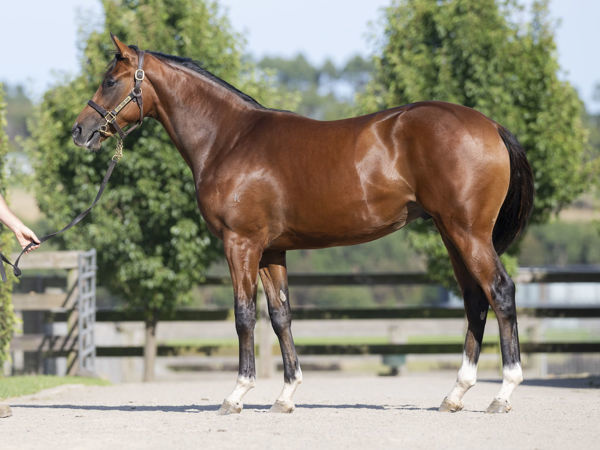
point(30, 384)
point(550, 335)
point(331, 340)
point(568, 335)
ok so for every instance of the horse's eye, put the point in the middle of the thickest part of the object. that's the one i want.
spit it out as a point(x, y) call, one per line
point(110, 82)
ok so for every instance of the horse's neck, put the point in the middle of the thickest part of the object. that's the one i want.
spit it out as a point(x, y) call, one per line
point(202, 117)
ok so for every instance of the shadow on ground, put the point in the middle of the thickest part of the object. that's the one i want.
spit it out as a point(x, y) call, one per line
point(206, 408)
point(589, 382)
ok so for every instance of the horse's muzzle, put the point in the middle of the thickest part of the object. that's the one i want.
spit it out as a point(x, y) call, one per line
point(90, 140)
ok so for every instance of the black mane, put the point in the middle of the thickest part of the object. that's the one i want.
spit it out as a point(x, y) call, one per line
point(195, 66)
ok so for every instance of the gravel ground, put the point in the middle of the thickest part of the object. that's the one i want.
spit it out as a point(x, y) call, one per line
point(332, 412)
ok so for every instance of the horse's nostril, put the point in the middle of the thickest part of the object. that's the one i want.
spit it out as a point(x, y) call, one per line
point(76, 130)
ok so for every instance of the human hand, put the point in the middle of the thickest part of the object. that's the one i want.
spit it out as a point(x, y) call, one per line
point(25, 236)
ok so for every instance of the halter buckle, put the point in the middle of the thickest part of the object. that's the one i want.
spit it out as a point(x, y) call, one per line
point(139, 74)
point(110, 117)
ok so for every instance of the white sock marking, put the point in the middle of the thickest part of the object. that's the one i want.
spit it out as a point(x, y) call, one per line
point(243, 385)
point(467, 376)
point(290, 388)
point(511, 378)
point(282, 296)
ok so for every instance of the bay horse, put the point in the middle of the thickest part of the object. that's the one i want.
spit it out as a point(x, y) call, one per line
point(268, 181)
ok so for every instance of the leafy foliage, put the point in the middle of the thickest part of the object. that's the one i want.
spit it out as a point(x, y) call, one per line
point(560, 243)
point(18, 108)
point(7, 317)
point(152, 243)
point(473, 53)
point(326, 91)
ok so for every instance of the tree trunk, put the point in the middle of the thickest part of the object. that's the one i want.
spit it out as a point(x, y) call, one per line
point(150, 348)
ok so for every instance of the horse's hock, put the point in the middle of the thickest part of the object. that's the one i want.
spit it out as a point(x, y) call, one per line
point(58, 314)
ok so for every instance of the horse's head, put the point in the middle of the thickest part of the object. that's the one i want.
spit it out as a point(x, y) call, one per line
point(119, 101)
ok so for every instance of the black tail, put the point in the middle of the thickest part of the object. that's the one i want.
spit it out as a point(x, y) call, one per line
point(518, 202)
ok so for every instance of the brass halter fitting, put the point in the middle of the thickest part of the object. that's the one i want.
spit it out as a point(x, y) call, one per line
point(103, 130)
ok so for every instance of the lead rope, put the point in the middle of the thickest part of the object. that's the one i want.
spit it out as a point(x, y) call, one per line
point(113, 162)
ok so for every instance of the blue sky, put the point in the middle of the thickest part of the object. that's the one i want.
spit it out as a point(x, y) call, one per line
point(38, 37)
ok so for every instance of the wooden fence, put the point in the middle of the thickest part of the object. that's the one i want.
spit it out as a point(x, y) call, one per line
point(59, 310)
point(265, 337)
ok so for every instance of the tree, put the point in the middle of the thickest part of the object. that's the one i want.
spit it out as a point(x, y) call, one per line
point(18, 109)
point(7, 317)
point(326, 91)
point(473, 52)
point(152, 243)
point(357, 71)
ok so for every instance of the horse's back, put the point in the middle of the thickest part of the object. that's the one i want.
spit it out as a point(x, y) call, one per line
point(405, 152)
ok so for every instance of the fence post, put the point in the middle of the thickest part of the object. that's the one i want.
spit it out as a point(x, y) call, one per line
point(72, 319)
point(86, 308)
point(266, 368)
point(18, 356)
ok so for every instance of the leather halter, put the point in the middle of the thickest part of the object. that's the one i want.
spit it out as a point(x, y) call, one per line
point(135, 95)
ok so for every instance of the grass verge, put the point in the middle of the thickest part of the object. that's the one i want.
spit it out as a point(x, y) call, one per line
point(30, 384)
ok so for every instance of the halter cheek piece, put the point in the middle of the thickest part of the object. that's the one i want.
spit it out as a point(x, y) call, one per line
point(135, 95)
point(111, 119)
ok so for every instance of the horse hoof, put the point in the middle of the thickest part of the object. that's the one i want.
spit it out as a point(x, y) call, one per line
point(498, 406)
point(230, 408)
point(282, 407)
point(448, 406)
point(5, 411)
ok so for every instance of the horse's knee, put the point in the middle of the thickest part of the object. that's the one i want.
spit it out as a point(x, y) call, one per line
point(281, 320)
point(245, 318)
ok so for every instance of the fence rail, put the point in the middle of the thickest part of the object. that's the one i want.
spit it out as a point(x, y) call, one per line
point(353, 349)
point(583, 274)
point(202, 315)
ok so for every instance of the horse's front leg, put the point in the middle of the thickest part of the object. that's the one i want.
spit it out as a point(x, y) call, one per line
point(273, 273)
point(243, 257)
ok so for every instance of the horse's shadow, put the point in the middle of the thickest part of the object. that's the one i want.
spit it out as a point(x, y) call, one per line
point(125, 408)
point(194, 409)
point(572, 382)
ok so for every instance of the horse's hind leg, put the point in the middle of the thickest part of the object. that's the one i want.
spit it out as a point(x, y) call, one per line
point(505, 308)
point(476, 307)
point(482, 263)
point(243, 257)
point(273, 273)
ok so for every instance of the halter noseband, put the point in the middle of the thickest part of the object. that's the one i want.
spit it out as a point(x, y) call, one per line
point(134, 95)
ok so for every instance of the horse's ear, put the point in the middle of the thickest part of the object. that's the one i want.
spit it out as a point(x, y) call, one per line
point(123, 49)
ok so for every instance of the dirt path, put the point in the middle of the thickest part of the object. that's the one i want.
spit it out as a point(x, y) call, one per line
point(332, 412)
